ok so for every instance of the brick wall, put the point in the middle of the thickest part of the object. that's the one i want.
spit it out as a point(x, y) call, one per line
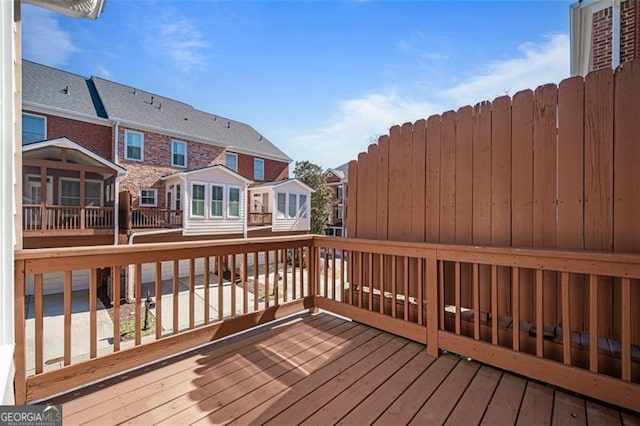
point(273, 170)
point(602, 35)
point(94, 137)
point(628, 28)
point(157, 163)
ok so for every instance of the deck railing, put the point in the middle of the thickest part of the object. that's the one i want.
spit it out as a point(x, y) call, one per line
point(37, 217)
point(506, 307)
point(260, 219)
point(156, 218)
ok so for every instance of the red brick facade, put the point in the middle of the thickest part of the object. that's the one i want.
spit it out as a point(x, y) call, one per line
point(602, 35)
point(157, 163)
point(95, 137)
point(273, 170)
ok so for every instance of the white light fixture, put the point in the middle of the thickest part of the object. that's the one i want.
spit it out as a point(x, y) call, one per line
point(74, 8)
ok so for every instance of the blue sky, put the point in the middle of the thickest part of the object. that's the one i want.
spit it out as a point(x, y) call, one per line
point(319, 79)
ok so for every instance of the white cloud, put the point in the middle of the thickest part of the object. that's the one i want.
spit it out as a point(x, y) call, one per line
point(547, 62)
point(179, 40)
point(103, 72)
point(354, 124)
point(356, 120)
point(40, 27)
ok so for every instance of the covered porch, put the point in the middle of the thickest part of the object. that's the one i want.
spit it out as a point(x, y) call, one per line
point(68, 191)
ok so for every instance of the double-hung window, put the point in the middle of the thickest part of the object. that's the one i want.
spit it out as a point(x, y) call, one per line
point(134, 145)
point(258, 169)
point(148, 197)
point(217, 200)
point(34, 128)
point(231, 161)
point(233, 208)
point(198, 191)
point(178, 154)
point(293, 199)
point(281, 205)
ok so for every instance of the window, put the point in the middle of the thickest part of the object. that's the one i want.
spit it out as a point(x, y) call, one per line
point(217, 201)
point(134, 145)
point(178, 195)
point(303, 206)
point(197, 199)
point(69, 192)
point(258, 169)
point(178, 154)
point(34, 128)
point(234, 202)
point(93, 193)
point(293, 198)
point(282, 201)
point(339, 193)
point(148, 197)
point(231, 161)
point(339, 212)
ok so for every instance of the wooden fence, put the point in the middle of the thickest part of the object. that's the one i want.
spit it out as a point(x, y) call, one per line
point(554, 168)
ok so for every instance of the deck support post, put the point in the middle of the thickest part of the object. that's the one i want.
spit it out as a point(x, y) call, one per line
point(431, 278)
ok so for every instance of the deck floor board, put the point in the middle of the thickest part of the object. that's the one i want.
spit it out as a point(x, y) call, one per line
point(321, 369)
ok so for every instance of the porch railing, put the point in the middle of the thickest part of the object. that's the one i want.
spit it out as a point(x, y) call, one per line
point(259, 219)
point(37, 217)
point(511, 308)
point(156, 218)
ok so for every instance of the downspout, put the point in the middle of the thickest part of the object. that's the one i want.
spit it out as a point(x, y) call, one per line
point(116, 190)
point(615, 36)
point(246, 213)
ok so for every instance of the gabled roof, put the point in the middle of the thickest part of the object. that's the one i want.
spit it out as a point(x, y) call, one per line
point(103, 99)
point(282, 182)
point(50, 87)
point(341, 172)
point(218, 167)
point(68, 143)
point(134, 106)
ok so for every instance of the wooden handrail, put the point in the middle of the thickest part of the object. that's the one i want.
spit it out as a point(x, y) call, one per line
point(447, 296)
point(54, 218)
point(155, 218)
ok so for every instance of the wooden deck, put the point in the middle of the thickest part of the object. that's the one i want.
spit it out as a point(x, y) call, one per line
point(321, 369)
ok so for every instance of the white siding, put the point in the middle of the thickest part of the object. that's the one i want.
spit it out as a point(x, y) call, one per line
point(298, 224)
point(212, 225)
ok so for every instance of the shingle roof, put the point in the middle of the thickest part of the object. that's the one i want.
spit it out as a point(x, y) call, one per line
point(148, 109)
point(341, 171)
point(100, 98)
point(59, 89)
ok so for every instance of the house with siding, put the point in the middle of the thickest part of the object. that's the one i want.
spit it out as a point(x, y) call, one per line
point(175, 166)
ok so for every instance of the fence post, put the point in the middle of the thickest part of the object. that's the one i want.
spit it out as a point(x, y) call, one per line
point(19, 355)
point(432, 304)
point(312, 281)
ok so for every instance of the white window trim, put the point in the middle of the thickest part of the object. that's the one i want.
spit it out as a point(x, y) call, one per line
point(306, 207)
point(126, 155)
point(206, 199)
point(286, 202)
point(256, 160)
point(224, 200)
point(155, 197)
point(232, 155)
point(38, 116)
point(175, 141)
point(228, 199)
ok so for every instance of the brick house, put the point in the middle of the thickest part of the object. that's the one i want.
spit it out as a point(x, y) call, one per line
point(153, 138)
point(604, 34)
point(337, 181)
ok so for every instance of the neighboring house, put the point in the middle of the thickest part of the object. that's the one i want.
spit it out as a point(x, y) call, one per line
point(337, 181)
point(166, 146)
point(604, 34)
point(282, 206)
